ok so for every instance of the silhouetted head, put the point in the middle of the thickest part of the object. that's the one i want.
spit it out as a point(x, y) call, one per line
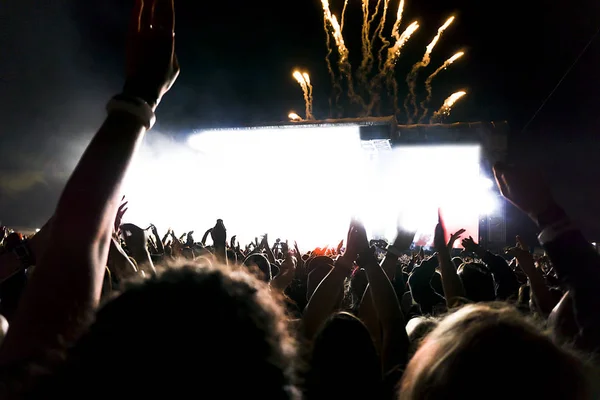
point(344, 363)
point(457, 261)
point(260, 262)
point(193, 331)
point(483, 352)
point(478, 282)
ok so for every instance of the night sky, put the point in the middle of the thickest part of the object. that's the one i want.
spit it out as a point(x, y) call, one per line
point(61, 60)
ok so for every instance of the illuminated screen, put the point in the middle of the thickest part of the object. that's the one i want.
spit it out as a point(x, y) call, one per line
point(301, 183)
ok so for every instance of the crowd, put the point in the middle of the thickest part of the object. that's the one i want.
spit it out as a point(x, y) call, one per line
point(92, 307)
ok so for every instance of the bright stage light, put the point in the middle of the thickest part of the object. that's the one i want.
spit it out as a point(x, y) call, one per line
point(303, 183)
point(413, 182)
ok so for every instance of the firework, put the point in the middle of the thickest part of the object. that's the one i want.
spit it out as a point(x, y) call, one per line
point(379, 32)
point(428, 86)
point(309, 88)
point(411, 79)
point(369, 84)
point(445, 109)
point(306, 87)
point(294, 117)
point(396, 27)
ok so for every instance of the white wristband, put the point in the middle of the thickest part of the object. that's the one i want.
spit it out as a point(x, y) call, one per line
point(134, 106)
point(555, 230)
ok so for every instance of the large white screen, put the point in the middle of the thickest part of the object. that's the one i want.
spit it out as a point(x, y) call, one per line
point(302, 183)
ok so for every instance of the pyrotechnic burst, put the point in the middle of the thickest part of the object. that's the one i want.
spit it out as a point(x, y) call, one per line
point(411, 79)
point(371, 76)
point(294, 117)
point(303, 80)
point(447, 106)
point(428, 86)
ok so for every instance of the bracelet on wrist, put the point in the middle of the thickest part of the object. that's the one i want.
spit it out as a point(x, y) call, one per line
point(134, 106)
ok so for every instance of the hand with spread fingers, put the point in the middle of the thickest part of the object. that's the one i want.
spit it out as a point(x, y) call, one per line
point(525, 188)
point(152, 65)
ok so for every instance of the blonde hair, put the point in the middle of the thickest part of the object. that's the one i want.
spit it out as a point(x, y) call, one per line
point(490, 351)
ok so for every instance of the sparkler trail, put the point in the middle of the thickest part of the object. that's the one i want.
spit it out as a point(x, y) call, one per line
point(310, 93)
point(444, 111)
point(392, 58)
point(379, 32)
point(428, 86)
point(304, 85)
point(396, 27)
point(364, 38)
point(343, 62)
point(343, 17)
point(368, 63)
point(411, 79)
point(394, 51)
point(386, 71)
point(328, 56)
point(373, 84)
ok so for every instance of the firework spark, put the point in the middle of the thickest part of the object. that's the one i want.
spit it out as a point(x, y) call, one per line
point(368, 56)
point(343, 17)
point(310, 92)
point(389, 67)
point(445, 109)
point(343, 52)
point(411, 79)
point(428, 86)
point(396, 27)
point(369, 92)
point(379, 32)
point(394, 51)
point(364, 37)
point(294, 117)
point(304, 84)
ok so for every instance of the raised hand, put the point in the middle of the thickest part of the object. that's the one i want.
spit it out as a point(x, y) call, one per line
point(152, 65)
point(454, 237)
point(525, 188)
point(439, 239)
point(357, 241)
point(339, 247)
point(521, 243)
point(120, 213)
point(287, 270)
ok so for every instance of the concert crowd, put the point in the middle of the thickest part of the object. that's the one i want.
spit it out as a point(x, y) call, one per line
point(92, 307)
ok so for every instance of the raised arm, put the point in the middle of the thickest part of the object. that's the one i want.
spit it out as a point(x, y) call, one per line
point(67, 282)
point(453, 287)
point(575, 261)
point(327, 296)
point(394, 351)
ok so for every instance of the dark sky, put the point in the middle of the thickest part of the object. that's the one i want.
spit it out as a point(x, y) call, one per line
point(60, 61)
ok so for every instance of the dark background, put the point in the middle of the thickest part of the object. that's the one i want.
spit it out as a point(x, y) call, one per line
point(61, 60)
